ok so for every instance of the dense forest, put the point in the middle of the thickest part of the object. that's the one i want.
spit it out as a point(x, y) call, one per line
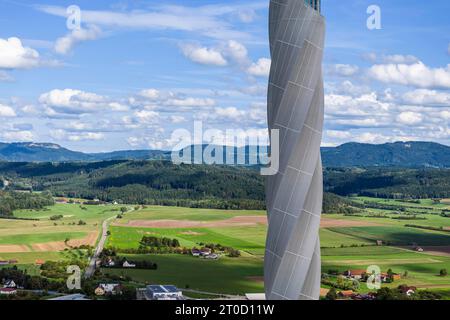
point(10, 201)
point(211, 186)
point(389, 182)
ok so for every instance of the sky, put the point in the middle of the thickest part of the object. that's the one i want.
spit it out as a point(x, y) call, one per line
point(136, 71)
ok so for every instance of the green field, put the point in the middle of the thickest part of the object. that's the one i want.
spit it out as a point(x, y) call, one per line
point(343, 247)
point(250, 239)
point(190, 214)
point(401, 236)
point(227, 275)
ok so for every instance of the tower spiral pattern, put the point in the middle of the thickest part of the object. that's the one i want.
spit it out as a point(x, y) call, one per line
point(296, 109)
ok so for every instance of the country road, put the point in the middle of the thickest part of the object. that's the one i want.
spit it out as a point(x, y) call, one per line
point(92, 263)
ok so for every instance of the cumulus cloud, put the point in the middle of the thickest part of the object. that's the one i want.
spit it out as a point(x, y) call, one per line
point(150, 94)
point(72, 101)
point(337, 134)
point(146, 116)
point(177, 119)
point(345, 70)
point(190, 102)
point(17, 136)
point(349, 106)
point(236, 51)
point(410, 118)
point(87, 136)
point(417, 74)
point(427, 97)
point(203, 55)
point(65, 44)
point(261, 68)
point(7, 111)
point(60, 134)
point(231, 113)
point(13, 55)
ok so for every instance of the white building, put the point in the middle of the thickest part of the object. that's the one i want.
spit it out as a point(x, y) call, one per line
point(163, 292)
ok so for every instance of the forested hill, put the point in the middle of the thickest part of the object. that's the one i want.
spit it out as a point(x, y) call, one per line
point(208, 186)
point(399, 154)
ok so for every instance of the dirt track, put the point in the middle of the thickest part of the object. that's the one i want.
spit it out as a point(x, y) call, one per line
point(239, 221)
point(10, 248)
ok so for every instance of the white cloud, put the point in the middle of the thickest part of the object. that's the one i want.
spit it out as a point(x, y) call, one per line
point(190, 102)
point(116, 106)
point(417, 74)
point(177, 119)
point(400, 59)
point(363, 105)
point(146, 116)
point(427, 97)
point(261, 68)
point(150, 94)
point(237, 52)
point(345, 70)
point(203, 55)
point(5, 77)
point(208, 20)
point(13, 55)
point(393, 58)
point(336, 134)
point(60, 134)
point(65, 44)
point(20, 136)
point(7, 111)
point(409, 118)
point(72, 101)
point(369, 137)
point(231, 113)
point(87, 136)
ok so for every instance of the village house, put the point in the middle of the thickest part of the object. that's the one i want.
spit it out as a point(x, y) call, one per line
point(346, 294)
point(9, 284)
point(8, 291)
point(355, 274)
point(4, 262)
point(39, 262)
point(126, 264)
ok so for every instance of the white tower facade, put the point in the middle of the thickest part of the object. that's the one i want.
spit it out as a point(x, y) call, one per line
point(296, 108)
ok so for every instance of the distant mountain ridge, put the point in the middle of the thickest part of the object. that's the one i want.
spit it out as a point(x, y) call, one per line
point(398, 154)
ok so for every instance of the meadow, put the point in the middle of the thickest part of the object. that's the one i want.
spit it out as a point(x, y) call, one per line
point(45, 239)
point(348, 242)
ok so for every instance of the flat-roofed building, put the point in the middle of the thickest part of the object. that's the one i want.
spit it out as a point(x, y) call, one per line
point(163, 292)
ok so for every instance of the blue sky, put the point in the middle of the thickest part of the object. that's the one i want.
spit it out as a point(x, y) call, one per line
point(138, 70)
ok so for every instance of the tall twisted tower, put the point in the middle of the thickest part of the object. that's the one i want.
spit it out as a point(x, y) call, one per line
point(296, 109)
